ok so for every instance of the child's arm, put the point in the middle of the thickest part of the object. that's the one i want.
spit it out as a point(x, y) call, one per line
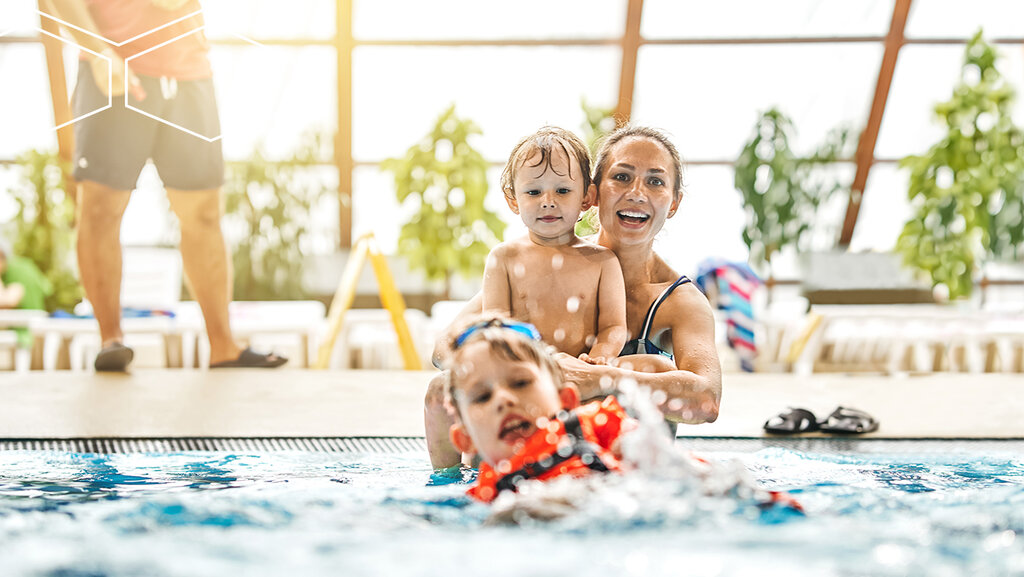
point(497, 294)
point(611, 313)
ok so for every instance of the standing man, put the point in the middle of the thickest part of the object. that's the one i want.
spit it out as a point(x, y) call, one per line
point(173, 82)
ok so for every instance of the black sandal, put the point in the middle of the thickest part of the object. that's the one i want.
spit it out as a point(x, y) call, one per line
point(846, 421)
point(792, 422)
point(252, 360)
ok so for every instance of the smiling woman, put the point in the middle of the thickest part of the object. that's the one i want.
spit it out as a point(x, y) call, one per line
point(637, 187)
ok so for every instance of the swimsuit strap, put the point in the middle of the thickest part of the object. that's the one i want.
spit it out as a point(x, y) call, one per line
point(645, 331)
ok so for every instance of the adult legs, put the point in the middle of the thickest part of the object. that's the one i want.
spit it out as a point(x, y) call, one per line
point(100, 209)
point(437, 422)
point(207, 267)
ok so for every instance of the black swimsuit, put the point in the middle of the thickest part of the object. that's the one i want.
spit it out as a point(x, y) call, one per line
point(642, 344)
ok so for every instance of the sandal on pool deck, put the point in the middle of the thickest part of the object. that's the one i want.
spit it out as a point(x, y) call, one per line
point(249, 359)
point(791, 422)
point(252, 360)
point(113, 358)
point(848, 421)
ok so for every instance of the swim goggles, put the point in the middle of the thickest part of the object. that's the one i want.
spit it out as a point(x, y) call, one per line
point(525, 329)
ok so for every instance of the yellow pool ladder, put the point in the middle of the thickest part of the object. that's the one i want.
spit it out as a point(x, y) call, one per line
point(390, 298)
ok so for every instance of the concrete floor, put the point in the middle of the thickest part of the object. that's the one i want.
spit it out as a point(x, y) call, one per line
point(297, 403)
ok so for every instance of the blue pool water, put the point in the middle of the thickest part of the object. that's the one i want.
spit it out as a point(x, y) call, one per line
point(293, 513)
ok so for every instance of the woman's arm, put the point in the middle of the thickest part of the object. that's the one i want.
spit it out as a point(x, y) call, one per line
point(693, 387)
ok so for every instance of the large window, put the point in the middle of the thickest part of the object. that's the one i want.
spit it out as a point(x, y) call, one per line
point(704, 70)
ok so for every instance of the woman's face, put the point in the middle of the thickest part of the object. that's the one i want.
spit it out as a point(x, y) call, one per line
point(635, 195)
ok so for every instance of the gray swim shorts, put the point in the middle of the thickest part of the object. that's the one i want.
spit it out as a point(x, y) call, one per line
point(112, 147)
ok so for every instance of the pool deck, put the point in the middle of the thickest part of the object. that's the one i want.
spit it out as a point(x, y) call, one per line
point(309, 403)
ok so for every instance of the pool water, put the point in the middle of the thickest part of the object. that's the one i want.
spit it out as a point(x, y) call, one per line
point(304, 513)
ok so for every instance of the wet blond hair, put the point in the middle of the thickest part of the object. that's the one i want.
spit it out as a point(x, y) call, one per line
point(547, 141)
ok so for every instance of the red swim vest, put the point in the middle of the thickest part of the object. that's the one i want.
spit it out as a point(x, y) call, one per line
point(576, 445)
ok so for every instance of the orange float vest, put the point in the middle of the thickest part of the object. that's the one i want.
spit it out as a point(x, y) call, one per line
point(576, 445)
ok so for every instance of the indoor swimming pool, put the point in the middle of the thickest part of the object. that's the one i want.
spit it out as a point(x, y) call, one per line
point(870, 509)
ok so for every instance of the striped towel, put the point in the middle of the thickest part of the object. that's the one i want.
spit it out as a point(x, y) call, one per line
point(734, 284)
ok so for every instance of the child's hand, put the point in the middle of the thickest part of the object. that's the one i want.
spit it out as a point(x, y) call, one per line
point(592, 360)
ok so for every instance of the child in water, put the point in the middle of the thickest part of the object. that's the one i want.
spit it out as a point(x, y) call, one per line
point(513, 411)
point(571, 290)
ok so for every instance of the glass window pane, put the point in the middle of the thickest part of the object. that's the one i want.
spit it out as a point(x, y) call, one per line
point(10, 176)
point(709, 97)
point(272, 96)
point(472, 19)
point(955, 18)
point(709, 221)
point(18, 17)
point(509, 92)
point(375, 208)
point(26, 115)
point(924, 77)
point(883, 210)
point(760, 19)
point(256, 19)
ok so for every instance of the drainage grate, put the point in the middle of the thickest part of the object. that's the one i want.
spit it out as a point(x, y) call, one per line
point(234, 445)
point(392, 445)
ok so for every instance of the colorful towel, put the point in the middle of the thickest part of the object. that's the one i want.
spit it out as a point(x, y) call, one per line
point(731, 285)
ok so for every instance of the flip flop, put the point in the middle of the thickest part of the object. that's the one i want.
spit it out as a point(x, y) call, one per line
point(792, 422)
point(848, 421)
point(252, 360)
point(113, 358)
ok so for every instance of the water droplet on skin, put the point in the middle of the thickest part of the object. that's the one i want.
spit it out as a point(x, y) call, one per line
point(659, 397)
point(572, 304)
point(557, 261)
point(606, 383)
point(559, 335)
point(675, 404)
point(590, 340)
point(519, 270)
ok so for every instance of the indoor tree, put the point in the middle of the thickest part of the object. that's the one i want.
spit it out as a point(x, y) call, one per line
point(967, 190)
point(781, 192)
point(445, 178)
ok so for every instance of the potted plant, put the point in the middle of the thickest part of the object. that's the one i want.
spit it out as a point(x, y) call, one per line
point(268, 217)
point(780, 193)
point(446, 179)
point(43, 227)
point(967, 190)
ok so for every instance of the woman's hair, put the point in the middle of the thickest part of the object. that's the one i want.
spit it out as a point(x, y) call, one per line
point(505, 344)
point(547, 140)
point(633, 131)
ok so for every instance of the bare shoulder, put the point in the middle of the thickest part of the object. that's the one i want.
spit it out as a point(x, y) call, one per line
point(593, 251)
point(508, 249)
point(687, 303)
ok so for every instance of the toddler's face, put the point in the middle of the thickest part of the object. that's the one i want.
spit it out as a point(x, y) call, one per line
point(502, 402)
point(549, 199)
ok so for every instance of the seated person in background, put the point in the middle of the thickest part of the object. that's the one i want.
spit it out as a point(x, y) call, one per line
point(570, 289)
point(22, 286)
point(513, 411)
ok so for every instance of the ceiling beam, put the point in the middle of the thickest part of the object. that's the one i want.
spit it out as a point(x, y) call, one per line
point(343, 44)
point(630, 46)
point(54, 50)
point(869, 138)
